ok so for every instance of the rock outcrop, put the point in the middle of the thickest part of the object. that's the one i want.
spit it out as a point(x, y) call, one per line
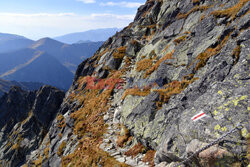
point(177, 59)
point(25, 120)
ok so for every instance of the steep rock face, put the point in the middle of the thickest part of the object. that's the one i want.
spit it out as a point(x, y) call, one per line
point(6, 85)
point(176, 59)
point(25, 119)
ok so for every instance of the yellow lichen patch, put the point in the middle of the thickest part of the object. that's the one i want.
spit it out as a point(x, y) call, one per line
point(144, 64)
point(233, 102)
point(215, 112)
point(180, 39)
point(90, 127)
point(120, 52)
point(220, 92)
point(136, 92)
point(195, 9)
point(244, 132)
point(224, 129)
point(236, 101)
point(217, 127)
point(230, 12)
point(157, 64)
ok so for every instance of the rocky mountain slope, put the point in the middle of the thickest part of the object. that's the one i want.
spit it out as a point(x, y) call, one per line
point(25, 120)
point(133, 103)
point(6, 85)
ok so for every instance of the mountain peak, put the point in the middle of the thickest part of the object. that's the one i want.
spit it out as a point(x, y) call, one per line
point(46, 42)
point(91, 35)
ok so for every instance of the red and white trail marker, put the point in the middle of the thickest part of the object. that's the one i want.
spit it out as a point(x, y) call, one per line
point(199, 116)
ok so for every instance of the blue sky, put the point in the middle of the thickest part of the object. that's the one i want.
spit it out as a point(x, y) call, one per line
point(49, 18)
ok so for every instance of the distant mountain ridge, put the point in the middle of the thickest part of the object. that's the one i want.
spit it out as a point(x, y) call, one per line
point(31, 65)
point(46, 60)
point(69, 55)
point(91, 35)
point(11, 42)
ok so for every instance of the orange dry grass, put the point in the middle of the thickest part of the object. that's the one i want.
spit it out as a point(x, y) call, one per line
point(121, 140)
point(202, 17)
point(138, 148)
point(209, 52)
point(180, 39)
point(195, 9)
point(157, 64)
point(136, 92)
point(100, 54)
point(103, 52)
point(173, 88)
point(143, 65)
point(149, 157)
point(236, 53)
point(230, 12)
point(38, 162)
point(166, 48)
point(61, 121)
point(90, 127)
point(148, 38)
point(61, 148)
point(120, 52)
point(127, 61)
point(195, 1)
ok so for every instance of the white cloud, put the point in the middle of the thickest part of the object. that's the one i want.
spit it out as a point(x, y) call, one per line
point(87, 1)
point(40, 25)
point(121, 17)
point(122, 4)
